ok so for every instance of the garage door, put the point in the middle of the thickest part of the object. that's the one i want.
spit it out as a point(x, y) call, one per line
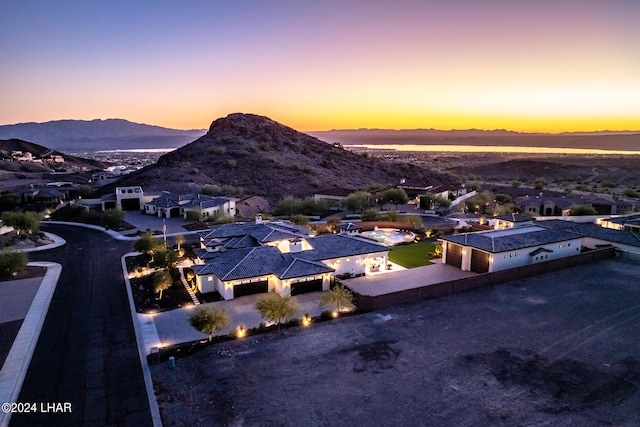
point(305, 287)
point(251, 288)
point(130, 204)
point(454, 255)
point(479, 261)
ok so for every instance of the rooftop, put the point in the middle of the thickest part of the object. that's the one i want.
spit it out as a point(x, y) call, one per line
point(512, 239)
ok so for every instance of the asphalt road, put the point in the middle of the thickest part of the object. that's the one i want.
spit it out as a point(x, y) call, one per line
point(86, 355)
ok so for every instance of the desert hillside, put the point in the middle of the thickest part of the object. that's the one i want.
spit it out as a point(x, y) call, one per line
point(270, 159)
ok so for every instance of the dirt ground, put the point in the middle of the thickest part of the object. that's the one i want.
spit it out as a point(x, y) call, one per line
point(557, 349)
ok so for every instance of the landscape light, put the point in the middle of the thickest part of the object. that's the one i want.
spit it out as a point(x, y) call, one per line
point(241, 331)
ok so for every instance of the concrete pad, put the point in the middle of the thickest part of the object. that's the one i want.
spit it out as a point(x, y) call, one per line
point(173, 326)
point(406, 279)
point(16, 297)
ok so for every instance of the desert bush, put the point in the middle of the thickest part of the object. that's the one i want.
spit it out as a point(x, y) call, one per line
point(11, 261)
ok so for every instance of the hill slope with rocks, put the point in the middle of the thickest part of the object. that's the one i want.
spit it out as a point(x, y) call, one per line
point(269, 159)
point(94, 135)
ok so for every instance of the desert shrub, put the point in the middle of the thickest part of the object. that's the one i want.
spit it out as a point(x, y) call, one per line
point(299, 219)
point(539, 183)
point(369, 215)
point(11, 261)
point(231, 163)
point(194, 171)
point(218, 150)
point(112, 218)
point(211, 190)
point(630, 192)
point(582, 210)
point(516, 183)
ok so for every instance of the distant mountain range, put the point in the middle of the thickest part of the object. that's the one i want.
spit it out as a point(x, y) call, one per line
point(95, 135)
point(272, 160)
point(75, 136)
point(605, 140)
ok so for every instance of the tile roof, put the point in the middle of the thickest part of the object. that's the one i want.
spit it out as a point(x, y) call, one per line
point(330, 246)
point(495, 241)
point(261, 261)
point(594, 231)
point(265, 232)
point(513, 217)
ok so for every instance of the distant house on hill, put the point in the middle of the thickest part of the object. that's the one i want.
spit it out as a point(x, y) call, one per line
point(42, 196)
point(243, 259)
point(541, 205)
point(125, 198)
point(170, 205)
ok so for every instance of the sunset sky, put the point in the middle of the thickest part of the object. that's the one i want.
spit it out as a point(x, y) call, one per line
point(545, 65)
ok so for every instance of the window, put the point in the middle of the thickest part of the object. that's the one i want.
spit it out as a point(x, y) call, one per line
point(210, 278)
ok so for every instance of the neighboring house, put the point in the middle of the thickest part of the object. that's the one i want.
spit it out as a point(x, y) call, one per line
point(415, 189)
point(170, 205)
point(249, 206)
point(334, 197)
point(43, 196)
point(242, 259)
point(628, 223)
point(124, 198)
point(561, 206)
point(446, 191)
point(595, 236)
point(23, 156)
point(55, 158)
point(511, 221)
point(100, 179)
point(495, 250)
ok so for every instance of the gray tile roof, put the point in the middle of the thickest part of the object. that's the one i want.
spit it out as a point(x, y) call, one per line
point(595, 231)
point(513, 217)
point(330, 246)
point(496, 241)
point(261, 261)
point(265, 232)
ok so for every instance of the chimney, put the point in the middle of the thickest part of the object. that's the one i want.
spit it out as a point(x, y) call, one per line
point(295, 246)
point(258, 218)
point(402, 181)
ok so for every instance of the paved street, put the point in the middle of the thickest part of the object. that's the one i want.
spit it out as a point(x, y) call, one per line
point(86, 354)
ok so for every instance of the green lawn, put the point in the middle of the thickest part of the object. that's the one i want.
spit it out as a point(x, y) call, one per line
point(412, 255)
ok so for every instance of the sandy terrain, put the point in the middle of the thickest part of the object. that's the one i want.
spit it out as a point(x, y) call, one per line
point(558, 349)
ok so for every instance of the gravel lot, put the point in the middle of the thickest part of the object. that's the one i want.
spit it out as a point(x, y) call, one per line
point(559, 349)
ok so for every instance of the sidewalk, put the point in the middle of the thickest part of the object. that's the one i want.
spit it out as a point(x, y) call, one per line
point(15, 366)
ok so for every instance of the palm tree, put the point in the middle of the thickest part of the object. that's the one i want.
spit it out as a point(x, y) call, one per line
point(339, 298)
point(179, 241)
point(209, 320)
point(275, 308)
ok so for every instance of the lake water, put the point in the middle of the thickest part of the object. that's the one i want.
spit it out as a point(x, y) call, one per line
point(489, 149)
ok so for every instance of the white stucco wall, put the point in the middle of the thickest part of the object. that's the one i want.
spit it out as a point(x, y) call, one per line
point(511, 259)
point(590, 242)
point(357, 264)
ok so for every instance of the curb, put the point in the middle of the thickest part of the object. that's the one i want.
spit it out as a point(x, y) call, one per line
point(146, 373)
point(112, 233)
point(57, 242)
point(17, 363)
